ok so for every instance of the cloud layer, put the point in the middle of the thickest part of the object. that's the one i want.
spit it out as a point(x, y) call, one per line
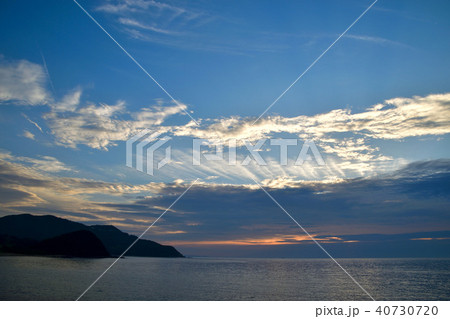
point(345, 139)
point(412, 199)
point(101, 125)
point(23, 82)
point(393, 119)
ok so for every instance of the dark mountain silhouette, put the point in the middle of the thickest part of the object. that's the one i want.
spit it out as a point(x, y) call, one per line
point(80, 243)
point(31, 234)
point(37, 227)
point(117, 241)
point(11, 244)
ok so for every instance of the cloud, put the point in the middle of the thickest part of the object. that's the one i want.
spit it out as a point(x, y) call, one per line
point(32, 122)
point(167, 19)
point(92, 125)
point(183, 27)
point(428, 238)
point(103, 125)
point(393, 119)
point(35, 185)
point(376, 40)
point(140, 25)
point(143, 6)
point(28, 134)
point(23, 83)
point(47, 164)
point(68, 103)
point(72, 122)
point(412, 199)
point(42, 163)
point(263, 241)
point(346, 139)
point(386, 204)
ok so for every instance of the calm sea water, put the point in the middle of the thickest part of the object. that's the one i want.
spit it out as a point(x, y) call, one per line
point(43, 278)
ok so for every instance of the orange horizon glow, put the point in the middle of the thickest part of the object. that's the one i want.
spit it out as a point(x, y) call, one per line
point(429, 238)
point(281, 240)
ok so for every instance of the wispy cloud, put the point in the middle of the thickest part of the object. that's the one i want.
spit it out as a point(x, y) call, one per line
point(220, 214)
point(103, 125)
point(35, 185)
point(28, 134)
point(346, 139)
point(32, 122)
point(69, 103)
point(124, 6)
point(134, 23)
point(395, 118)
point(23, 82)
point(390, 203)
point(71, 122)
point(376, 40)
point(42, 163)
point(163, 15)
point(184, 27)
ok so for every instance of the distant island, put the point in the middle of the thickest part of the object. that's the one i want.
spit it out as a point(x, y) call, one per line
point(53, 236)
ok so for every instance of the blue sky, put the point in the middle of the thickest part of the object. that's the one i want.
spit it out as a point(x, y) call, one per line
point(376, 105)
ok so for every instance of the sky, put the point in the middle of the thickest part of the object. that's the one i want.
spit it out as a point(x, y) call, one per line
point(376, 105)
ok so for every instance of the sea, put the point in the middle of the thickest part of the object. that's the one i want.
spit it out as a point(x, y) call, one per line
point(133, 278)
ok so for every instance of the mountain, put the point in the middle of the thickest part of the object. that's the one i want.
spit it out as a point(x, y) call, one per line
point(80, 243)
point(11, 244)
point(117, 241)
point(44, 235)
point(37, 227)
